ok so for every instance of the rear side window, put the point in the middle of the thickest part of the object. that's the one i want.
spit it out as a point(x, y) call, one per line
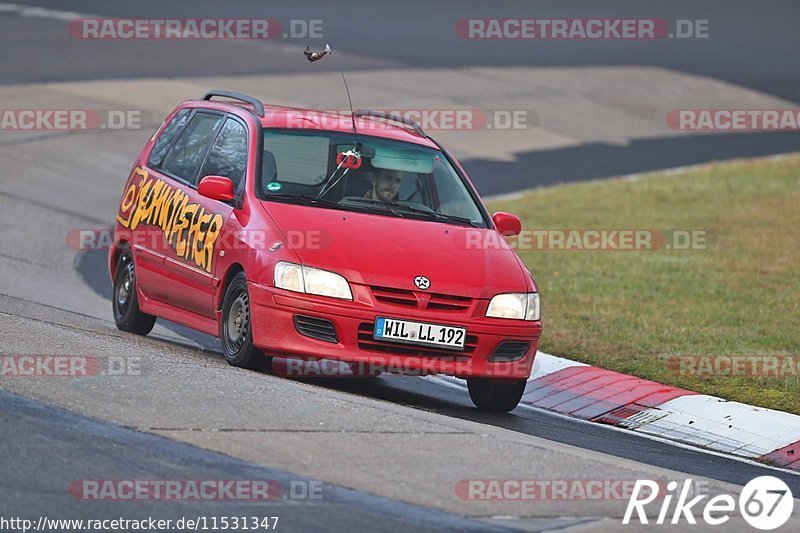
point(185, 156)
point(228, 154)
point(167, 135)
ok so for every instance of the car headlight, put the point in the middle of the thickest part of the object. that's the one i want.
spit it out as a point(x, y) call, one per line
point(516, 306)
point(298, 278)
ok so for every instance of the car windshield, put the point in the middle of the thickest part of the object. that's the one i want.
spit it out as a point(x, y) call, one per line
point(361, 173)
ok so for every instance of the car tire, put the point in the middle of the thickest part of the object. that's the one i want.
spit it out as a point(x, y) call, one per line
point(496, 397)
point(236, 331)
point(125, 300)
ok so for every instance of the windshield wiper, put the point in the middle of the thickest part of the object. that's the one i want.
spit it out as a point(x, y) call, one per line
point(460, 220)
point(430, 214)
point(306, 198)
point(374, 205)
point(313, 200)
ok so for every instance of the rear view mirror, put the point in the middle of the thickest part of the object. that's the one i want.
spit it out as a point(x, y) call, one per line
point(217, 188)
point(507, 224)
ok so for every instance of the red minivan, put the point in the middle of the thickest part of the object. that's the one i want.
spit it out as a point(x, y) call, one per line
point(307, 235)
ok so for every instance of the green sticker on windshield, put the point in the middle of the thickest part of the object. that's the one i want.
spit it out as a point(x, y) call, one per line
point(274, 186)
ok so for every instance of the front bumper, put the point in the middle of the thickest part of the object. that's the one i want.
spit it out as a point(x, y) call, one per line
point(274, 332)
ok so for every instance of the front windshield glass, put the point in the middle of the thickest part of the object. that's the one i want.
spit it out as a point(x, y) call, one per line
point(361, 173)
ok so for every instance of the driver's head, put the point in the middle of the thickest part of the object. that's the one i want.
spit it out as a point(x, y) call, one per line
point(385, 186)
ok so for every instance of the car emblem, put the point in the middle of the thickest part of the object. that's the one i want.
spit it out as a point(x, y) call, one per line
point(422, 282)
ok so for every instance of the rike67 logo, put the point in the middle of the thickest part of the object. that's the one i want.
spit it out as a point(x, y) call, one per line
point(766, 503)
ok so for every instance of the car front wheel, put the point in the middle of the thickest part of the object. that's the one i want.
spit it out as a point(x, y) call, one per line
point(236, 330)
point(496, 397)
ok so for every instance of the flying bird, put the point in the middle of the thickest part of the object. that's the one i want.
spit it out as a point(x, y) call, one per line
point(316, 56)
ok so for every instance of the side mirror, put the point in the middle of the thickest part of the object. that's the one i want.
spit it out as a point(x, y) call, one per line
point(507, 224)
point(217, 188)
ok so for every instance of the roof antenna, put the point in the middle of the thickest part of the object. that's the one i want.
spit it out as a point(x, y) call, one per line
point(316, 56)
point(352, 117)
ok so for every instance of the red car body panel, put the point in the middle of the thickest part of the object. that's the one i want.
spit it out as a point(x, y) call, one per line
point(360, 246)
point(378, 255)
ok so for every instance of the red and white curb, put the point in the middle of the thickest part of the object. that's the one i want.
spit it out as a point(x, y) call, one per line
point(607, 397)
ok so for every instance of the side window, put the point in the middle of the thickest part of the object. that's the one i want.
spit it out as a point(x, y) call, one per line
point(186, 154)
point(295, 158)
point(167, 135)
point(453, 196)
point(228, 154)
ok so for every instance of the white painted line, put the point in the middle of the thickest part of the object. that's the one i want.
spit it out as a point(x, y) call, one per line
point(509, 196)
point(664, 440)
point(455, 383)
point(545, 364)
point(43, 12)
point(448, 381)
point(725, 426)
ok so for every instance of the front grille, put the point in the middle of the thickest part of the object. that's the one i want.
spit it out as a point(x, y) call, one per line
point(316, 328)
point(406, 298)
point(394, 296)
point(510, 351)
point(368, 343)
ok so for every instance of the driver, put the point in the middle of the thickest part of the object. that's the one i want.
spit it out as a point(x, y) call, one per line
point(385, 186)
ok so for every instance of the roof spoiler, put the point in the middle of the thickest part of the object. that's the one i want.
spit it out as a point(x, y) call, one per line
point(258, 107)
point(393, 117)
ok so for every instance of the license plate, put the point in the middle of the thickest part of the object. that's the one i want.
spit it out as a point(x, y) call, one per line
point(421, 333)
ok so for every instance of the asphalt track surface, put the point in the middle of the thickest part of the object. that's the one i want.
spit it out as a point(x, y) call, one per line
point(91, 449)
point(751, 45)
point(389, 450)
point(752, 41)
